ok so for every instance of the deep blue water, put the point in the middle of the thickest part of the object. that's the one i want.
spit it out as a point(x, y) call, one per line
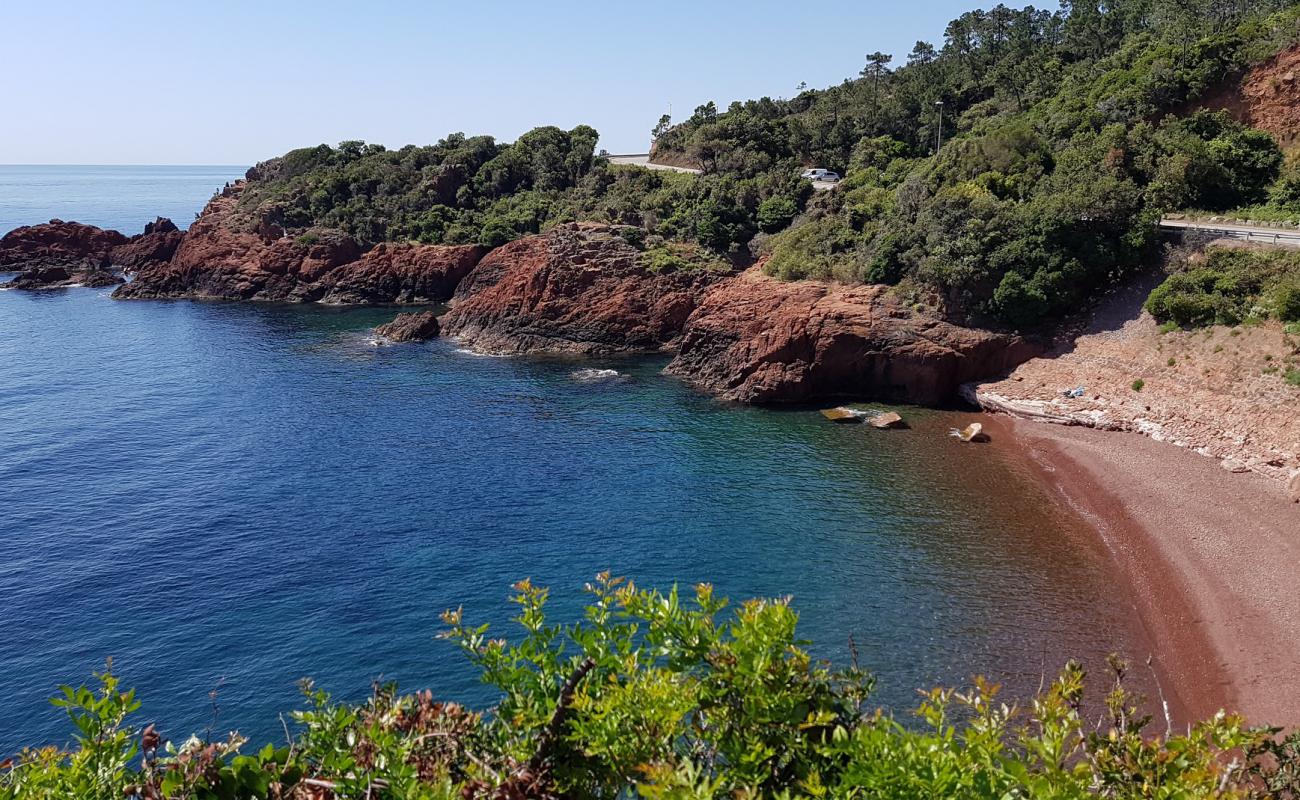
point(121, 198)
point(238, 495)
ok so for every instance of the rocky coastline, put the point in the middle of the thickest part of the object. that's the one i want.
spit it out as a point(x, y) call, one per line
point(577, 289)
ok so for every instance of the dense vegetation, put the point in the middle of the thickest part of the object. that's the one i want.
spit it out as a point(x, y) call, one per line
point(1006, 174)
point(1063, 136)
point(654, 696)
point(475, 190)
point(1228, 286)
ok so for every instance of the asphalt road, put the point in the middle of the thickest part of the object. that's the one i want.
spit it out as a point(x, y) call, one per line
point(1286, 237)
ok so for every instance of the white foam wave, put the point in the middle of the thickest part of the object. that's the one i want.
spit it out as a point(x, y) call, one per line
point(595, 375)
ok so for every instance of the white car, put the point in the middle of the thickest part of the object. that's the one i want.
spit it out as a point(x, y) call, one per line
point(820, 175)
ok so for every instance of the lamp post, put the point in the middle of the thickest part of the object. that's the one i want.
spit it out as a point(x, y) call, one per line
point(938, 137)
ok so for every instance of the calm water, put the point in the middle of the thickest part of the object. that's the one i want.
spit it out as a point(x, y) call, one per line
point(121, 198)
point(236, 496)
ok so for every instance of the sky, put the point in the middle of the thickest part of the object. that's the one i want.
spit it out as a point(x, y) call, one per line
point(234, 82)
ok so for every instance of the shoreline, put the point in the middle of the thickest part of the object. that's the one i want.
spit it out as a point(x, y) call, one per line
point(1210, 559)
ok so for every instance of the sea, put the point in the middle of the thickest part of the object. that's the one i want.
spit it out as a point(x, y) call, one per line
point(226, 498)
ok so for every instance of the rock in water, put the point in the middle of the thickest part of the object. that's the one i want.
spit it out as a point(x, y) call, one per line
point(56, 243)
point(48, 277)
point(412, 327)
point(887, 420)
point(973, 432)
point(843, 415)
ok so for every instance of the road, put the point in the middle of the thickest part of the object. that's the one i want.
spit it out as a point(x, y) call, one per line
point(643, 160)
point(1283, 237)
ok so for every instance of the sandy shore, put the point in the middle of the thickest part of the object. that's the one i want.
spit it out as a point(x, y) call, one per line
point(1212, 559)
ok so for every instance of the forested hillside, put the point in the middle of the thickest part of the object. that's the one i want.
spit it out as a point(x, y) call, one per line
point(1003, 175)
point(1063, 135)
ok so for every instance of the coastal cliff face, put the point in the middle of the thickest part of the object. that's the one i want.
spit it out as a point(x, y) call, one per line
point(579, 288)
point(756, 339)
point(402, 273)
point(224, 257)
point(157, 245)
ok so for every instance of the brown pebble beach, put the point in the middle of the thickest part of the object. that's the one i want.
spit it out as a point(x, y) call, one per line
point(1212, 560)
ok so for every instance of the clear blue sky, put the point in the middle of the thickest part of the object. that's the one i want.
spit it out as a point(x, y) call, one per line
point(232, 82)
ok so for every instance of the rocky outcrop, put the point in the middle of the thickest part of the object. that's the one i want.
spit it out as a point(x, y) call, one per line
point(157, 245)
point(1267, 97)
point(69, 245)
point(401, 273)
point(756, 339)
point(580, 288)
point(221, 258)
point(227, 257)
point(414, 327)
point(54, 277)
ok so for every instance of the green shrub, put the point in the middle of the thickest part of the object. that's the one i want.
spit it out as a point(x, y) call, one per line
point(1138, 384)
point(1232, 286)
point(659, 696)
point(775, 213)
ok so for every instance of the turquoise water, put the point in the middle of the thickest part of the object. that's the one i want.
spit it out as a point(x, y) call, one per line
point(234, 496)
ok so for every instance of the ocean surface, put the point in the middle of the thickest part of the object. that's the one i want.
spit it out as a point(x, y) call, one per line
point(121, 198)
point(229, 497)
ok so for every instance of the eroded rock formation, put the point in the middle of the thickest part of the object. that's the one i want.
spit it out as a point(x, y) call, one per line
point(756, 339)
point(226, 257)
point(580, 288)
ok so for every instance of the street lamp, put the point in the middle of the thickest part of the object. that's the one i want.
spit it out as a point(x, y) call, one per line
point(938, 138)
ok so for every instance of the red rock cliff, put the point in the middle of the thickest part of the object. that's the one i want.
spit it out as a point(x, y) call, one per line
point(755, 339)
point(580, 288)
point(224, 256)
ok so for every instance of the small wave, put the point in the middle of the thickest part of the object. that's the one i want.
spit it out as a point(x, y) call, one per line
point(596, 375)
point(465, 351)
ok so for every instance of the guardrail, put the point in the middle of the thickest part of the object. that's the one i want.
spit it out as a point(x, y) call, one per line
point(1273, 234)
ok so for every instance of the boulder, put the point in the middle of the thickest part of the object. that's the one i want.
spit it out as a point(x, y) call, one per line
point(756, 339)
point(579, 288)
point(413, 327)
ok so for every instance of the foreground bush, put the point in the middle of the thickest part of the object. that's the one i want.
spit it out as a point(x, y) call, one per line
point(652, 696)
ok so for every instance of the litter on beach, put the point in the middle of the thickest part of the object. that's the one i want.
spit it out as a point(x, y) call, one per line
point(973, 432)
point(1075, 392)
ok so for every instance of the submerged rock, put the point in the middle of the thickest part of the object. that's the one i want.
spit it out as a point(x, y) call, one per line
point(413, 327)
point(579, 288)
point(756, 339)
